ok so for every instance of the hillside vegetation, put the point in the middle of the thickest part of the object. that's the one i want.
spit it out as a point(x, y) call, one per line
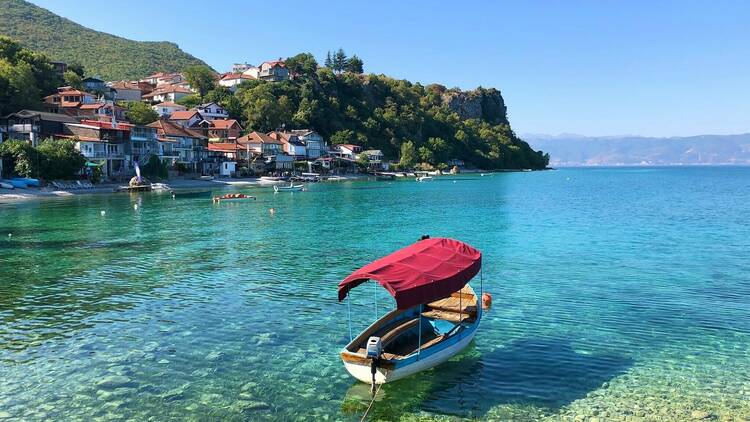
point(102, 54)
point(432, 123)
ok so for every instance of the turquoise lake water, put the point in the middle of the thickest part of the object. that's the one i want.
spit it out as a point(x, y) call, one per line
point(619, 294)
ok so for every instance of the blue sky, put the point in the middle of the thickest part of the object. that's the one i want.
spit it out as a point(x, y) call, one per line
point(655, 68)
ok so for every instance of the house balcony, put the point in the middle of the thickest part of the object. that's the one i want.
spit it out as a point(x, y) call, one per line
point(23, 128)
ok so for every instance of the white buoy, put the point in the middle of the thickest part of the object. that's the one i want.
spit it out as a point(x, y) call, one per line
point(135, 206)
point(10, 234)
point(103, 212)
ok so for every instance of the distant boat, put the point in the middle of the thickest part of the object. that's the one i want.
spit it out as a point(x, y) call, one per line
point(28, 181)
point(181, 195)
point(290, 188)
point(437, 313)
point(6, 185)
point(424, 178)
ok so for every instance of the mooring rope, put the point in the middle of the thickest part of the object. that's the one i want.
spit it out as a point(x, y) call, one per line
point(371, 402)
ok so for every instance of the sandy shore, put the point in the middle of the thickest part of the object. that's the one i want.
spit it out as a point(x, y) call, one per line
point(48, 192)
point(7, 195)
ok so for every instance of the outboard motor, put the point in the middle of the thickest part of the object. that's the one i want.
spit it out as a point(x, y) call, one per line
point(374, 350)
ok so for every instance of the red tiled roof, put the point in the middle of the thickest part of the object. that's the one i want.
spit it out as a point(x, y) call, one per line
point(256, 137)
point(222, 147)
point(169, 104)
point(167, 90)
point(183, 114)
point(125, 85)
point(73, 92)
point(274, 63)
point(223, 124)
point(230, 76)
point(107, 125)
point(167, 128)
point(93, 106)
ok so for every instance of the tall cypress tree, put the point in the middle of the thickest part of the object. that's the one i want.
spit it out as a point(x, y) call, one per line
point(328, 63)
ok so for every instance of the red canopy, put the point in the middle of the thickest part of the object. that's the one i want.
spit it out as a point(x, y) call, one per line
point(428, 270)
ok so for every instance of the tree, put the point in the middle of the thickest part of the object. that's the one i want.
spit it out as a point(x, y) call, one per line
point(363, 161)
point(59, 159)
point(141, 113)
point(190, 101)
point(18, 158)
point(329, 61)
point(408, 155)
point(355, 65)
point(426, 155)
point(73, 79)
point(339, 61)
point(303, 64)
point(201, 78)
point(76, 68)
point(342, 137)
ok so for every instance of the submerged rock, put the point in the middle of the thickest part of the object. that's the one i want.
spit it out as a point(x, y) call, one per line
point(700, 415)
point(243, 406)
point(214, 356)
point(114, 381)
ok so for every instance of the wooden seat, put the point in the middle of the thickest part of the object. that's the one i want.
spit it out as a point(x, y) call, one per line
point(449, 315)
point(395, 332)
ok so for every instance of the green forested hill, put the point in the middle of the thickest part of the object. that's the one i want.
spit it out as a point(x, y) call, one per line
point(101, 54)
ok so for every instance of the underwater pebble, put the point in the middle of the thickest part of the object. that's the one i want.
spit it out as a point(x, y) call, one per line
point(214, 356)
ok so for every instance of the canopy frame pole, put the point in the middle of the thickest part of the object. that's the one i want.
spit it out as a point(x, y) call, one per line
point(480, 302)
point(349, 305)
point(376, 300)
point(460, 310)
point(419, 347)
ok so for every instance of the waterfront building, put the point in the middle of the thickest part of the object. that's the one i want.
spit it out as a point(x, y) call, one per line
point(291, 144)
point(375, 157)
point(33, 126)
point(189, 146)
point(315, 145)
point(226, 129)
point(104, 143)
point(348, 151)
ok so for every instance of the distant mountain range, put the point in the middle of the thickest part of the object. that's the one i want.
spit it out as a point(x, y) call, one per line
point(106, 55)
point(579, 150)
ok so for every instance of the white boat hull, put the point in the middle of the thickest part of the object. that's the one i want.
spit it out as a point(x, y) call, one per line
point(382, 376)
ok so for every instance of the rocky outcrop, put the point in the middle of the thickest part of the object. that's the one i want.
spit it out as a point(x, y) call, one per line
point(486, 104)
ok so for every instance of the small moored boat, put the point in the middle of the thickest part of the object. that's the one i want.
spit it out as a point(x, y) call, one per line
point(16, 183)
point(6, 185)
point(424, 178)
point(290, 188)
point(437, 312)
point(232, 196)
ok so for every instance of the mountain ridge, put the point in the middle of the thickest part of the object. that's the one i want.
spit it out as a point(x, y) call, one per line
point(106, 55)
point(579, 150)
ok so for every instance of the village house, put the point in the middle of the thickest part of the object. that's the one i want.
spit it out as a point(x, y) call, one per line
point(94, 84)
point(165, 109)
point(33, 126)
point(144, 144)
point(126, 91)
point(164, 78)
point(375, 158)
point(191, 147)
point(348, 151)
point(66, 98)
point(314, 143)
point(169, 93)
point(291, 144)
point(101, 143)
point(211, 111)
point(273, 71)
point(228, 129)
point(100, 111)
point(253, 72)
point(232, 80)
point(188, 119)
point(240, 67)
point(268, 151)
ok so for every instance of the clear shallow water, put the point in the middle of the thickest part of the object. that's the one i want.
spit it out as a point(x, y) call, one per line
point(618, 294)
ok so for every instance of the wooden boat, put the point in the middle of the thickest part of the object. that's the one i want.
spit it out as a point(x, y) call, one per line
point(181, 195)
point(437, 312)
point(6, 185)
point(290, 188)
point(16, 183)
point(232, 197)
point(28, 181)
